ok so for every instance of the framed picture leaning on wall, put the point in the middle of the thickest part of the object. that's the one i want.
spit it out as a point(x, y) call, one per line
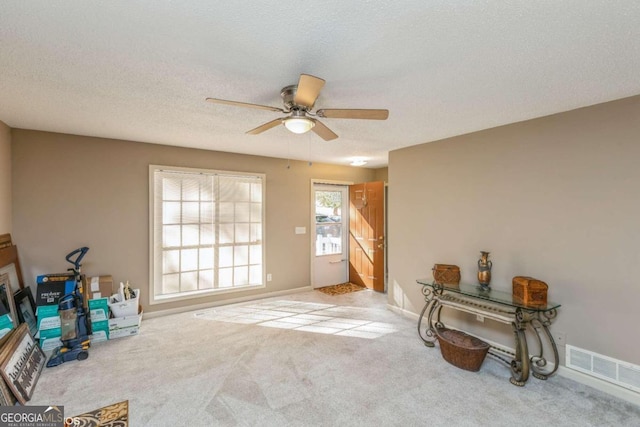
point(26, 309)
point(8, 315)
point(21, 362)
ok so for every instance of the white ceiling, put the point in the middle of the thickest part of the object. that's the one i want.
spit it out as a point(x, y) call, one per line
point(141, 70)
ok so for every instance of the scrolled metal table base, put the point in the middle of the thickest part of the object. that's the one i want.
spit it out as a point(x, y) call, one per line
point(520, 363)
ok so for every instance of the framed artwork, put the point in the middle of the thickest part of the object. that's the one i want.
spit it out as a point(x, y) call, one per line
point(6, 395)
point(22, 361)
point(7, 304)
point(26, 309)
point(9, 262)
point(12, 272)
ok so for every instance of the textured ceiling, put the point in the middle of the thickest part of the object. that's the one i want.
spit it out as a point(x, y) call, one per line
point(141, 70)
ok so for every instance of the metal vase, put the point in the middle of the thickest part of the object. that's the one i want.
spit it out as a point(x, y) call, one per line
point(484, 270)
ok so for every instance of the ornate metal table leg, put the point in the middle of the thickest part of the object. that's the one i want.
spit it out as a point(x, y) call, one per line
point(429, 336)
point(539, 362)
point(520, 364)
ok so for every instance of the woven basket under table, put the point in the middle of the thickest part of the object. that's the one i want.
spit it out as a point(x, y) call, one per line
point(461, 349)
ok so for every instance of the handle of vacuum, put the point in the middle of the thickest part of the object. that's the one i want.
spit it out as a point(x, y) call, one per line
point(82, 252)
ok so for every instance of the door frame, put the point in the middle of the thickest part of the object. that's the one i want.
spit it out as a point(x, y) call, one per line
point(312, 222)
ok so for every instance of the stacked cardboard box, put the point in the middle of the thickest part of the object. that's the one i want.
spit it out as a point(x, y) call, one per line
point(49, 289)
point(98, 289)
point(6, 322)
point(127, 316)
point(125, 326)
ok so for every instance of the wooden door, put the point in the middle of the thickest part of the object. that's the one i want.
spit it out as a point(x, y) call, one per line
point(366, 235)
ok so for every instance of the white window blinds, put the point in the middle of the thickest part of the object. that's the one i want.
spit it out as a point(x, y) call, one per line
point(207, 232)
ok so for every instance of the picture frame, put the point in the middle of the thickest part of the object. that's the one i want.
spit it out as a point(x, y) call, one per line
point(21, 362)
point(9, 256)
point(7, 397)
point(7, 304)
point(12, 271)
point(26, 309)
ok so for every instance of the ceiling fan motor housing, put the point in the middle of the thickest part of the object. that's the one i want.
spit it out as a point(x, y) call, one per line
point(288, 93)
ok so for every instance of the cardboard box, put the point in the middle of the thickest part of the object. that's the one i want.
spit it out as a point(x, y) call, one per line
point(6, 325)
point(56, 277)
point(125, 326)
point(98, 309)
point(125, 308)
point(51, 343)
point(50, 287)
point(99, 287)
point(48, 317)
point(50, 333)
point(99, 330)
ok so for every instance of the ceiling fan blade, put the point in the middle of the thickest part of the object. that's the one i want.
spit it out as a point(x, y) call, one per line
point(323, 131)
point(353, 114)
point(244, 104)
point(309, 88)
point(265, 127)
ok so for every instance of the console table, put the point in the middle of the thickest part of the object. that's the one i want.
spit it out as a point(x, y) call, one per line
point(502, 307)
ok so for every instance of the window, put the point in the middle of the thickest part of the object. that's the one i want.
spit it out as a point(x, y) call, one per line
point(328, 222)
point(206, 232)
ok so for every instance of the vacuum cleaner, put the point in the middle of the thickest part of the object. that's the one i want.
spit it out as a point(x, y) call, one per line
point(74, 322)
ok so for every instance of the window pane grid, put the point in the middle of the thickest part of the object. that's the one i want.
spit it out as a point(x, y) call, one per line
point(210, 232)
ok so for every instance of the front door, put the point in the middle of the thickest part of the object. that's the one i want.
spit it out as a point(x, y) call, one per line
point(366, 230)
point(330, 266)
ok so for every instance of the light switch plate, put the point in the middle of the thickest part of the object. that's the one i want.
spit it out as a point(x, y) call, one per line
point(301, 230)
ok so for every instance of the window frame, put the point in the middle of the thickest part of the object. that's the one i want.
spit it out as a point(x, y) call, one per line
point(187, 295)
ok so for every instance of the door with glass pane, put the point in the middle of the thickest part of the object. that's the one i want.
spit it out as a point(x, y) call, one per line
point(330, 216)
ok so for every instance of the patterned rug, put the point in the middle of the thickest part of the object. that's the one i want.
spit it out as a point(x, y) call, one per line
point(116, 415)
point(343, 288)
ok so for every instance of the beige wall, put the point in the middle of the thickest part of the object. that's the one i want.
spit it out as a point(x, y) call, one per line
point(5, 178)
point(70, 191)
point(557, 198)
point(382, 174)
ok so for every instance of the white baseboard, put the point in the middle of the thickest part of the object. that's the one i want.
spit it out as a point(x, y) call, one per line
point(601, 385)
point(194, 307)
point(402, 311)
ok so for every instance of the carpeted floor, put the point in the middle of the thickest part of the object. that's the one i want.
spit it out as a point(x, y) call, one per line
point(343, 288)
point(304, 360)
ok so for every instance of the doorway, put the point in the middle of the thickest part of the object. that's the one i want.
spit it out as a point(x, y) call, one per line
point(330, 244)
point(367, 230)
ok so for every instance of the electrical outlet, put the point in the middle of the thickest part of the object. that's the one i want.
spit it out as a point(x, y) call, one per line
point(560, 338)
point(480, 318)
point(269, 277)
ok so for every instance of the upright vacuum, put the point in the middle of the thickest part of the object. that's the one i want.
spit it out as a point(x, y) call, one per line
point(74, 322)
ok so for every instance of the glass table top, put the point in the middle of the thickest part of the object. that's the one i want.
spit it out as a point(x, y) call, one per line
point(492, 295)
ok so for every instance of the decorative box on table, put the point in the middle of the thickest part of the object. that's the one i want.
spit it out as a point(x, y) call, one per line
point(446, 274)
point(530, 291)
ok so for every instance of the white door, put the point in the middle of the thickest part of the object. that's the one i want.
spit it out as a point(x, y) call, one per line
point(330, 216)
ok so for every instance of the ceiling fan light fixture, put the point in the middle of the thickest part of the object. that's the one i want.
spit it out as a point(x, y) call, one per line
point(298, 124)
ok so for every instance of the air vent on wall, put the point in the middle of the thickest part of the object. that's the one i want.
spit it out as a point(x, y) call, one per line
point(607, 368)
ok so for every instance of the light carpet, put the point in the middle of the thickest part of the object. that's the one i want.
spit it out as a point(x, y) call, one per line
point(204, 370)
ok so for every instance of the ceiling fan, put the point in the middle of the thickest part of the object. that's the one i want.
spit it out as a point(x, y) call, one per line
point(298, 104)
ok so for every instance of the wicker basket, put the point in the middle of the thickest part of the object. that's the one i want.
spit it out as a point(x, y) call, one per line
point(446, 274)
point(462, 350)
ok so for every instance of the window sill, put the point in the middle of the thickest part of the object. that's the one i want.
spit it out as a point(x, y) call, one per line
point(201, 294)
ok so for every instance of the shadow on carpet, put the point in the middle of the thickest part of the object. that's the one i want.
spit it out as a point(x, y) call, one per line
point(343, 288)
